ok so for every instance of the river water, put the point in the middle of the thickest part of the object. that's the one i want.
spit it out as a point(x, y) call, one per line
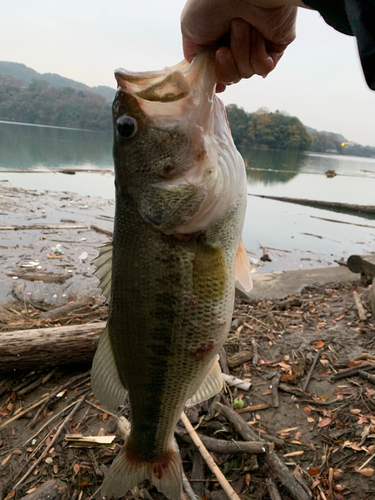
point(295, 235)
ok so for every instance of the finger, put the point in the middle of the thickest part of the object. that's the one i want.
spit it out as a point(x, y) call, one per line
point(260, 60)
point(189, 47)
point(241, 46)
point(226, 69)
point(220, 87)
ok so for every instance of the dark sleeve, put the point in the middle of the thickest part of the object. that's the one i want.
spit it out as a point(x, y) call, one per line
point(353, 17)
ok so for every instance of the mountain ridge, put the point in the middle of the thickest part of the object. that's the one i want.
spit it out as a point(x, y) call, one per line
point(26, 75)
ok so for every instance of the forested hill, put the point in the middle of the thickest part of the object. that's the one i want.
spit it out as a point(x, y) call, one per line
point(40, 103)
point(27, 75)
point(278, 130)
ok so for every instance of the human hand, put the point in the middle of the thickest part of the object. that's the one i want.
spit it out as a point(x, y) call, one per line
point(259, 32)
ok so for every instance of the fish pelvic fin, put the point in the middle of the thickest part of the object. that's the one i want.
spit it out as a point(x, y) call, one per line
point(105, 380)
point(128, 471)
point(243, 269)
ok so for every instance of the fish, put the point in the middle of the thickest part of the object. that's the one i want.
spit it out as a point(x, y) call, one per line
point(169, 273)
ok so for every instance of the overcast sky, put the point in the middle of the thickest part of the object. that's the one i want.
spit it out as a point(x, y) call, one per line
point(319, 79)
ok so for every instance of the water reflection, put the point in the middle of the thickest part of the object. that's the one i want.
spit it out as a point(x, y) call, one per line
point(279, 166)
point(28, 147)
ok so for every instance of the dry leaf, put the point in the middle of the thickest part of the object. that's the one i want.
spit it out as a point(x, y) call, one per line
point(247, 479)
point(298, 435)
point(367, 471)
point(362, 420)
point(337, 473)
point(267, 391)
point(308, 409)
point(371, 448)
point(6, 460)
point(313, 471)
point(312, 447)
point(355, 446)
point(320, 344)
point(76, 468)
point(324, 422)
point(32, 489)
point(10, 406)
point(294, 453)
point(84, 483)
point(105, 416)
point(355, 411)
point(310, 419)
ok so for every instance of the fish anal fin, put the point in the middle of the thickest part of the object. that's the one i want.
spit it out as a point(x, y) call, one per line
point(243, 269)
point(211, 385)
point(127, 472)
point(103, 263)
point(105, 380)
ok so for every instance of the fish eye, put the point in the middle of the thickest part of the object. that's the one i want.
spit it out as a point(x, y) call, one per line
point(127, 126)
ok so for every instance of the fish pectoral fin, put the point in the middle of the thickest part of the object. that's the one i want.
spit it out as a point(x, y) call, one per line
point(105, 380)
point(103, 263)
point(243, 269)
point(126, 473)
point(211, 385)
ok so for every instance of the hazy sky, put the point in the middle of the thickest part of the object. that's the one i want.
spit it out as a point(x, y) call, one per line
point(319, 79)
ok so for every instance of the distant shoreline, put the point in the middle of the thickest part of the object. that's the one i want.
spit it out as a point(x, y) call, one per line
point(53, 126)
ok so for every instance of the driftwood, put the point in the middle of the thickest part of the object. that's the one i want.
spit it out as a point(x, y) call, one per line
point(45, 276)
point(42, 226)
point(359, 265)
point(71, 306)
point(54, 489)
point(48, 347)
point(367, 376)
point(361, 310)
point(342, 207)
point(225, 447)
point(239, 358)
point(102, 230)
point(349, 372)
point(273, 461)
point(372, 298)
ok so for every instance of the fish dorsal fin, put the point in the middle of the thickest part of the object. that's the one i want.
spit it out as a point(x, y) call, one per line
point(105, 380)
point(243, 270)
point(103, 263)
point(211, 385)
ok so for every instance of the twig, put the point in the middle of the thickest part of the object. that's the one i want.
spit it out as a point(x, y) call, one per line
point(271, 458)
point(312, 368)
point(361, 311)
point(247, 409)
point(236, 382)
point(367, 461)
point(101, 409)
point(49, 421)
point(367, 376)
point(348, 372)
point(275, 389)
point(54, 394)
point(95, 493)
point(102, 230)
point(187, 487)
point(255, 352)
point(23, 412)
point(53, 441)
point(208, 459)
point(272, 490)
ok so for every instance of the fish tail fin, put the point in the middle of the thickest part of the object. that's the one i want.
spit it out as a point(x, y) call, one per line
point(127, 472)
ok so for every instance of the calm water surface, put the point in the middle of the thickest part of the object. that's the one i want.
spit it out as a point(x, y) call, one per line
point(297, 233)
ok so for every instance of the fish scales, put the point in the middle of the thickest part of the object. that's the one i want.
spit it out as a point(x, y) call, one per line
point(169, 276)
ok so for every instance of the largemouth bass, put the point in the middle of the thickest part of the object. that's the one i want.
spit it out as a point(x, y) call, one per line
point(169, 275)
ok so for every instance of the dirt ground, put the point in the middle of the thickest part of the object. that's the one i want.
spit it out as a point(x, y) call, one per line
point(325, 434)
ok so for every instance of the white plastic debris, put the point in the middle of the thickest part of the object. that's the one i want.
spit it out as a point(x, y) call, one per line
point(236, 382)
point(83, 256)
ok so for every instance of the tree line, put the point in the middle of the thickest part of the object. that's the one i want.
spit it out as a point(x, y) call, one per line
point(278, 130)
point(41, 103)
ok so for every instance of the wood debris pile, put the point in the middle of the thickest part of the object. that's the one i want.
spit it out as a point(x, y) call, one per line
point(304, 429)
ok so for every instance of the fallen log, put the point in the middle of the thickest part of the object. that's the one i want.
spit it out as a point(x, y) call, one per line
point(333, 205)
point(54, 489)
point(48, 347)
point(45, 276)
